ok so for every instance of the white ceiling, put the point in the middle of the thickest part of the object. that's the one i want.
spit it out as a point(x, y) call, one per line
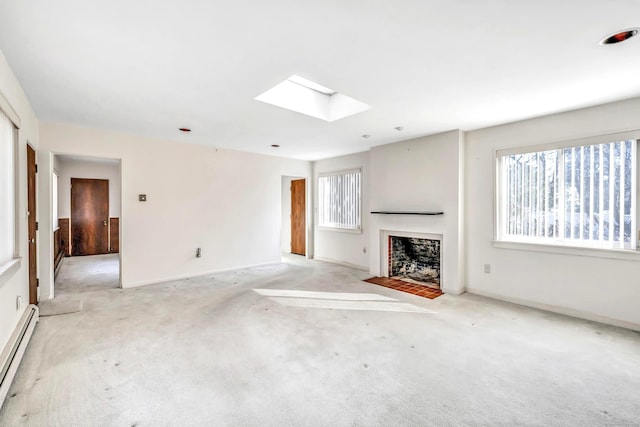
point(150, 67)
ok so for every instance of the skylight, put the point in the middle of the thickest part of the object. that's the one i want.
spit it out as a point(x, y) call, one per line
point(304, 96)
point(311, 85)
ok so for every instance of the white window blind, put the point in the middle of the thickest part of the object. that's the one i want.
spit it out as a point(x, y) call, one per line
point(339, 200)
point(7, 189)
point(580, 196)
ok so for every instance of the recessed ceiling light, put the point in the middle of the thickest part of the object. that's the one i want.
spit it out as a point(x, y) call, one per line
point(620, 37)
point(365, 136)
point(275, 145)
point(185, 130)
point(398, 128)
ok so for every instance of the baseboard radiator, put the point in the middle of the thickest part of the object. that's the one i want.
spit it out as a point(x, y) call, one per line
point(13, 352)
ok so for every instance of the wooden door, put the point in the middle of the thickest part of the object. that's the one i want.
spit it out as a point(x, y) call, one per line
point(89, 216)
point(298, 220)
point(31, 224)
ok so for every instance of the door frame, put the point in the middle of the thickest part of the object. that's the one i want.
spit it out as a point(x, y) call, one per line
point(286, 214)
point(121, 254)
point(32, 223)
point(304, 215)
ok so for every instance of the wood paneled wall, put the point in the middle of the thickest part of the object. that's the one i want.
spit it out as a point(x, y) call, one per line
point(114, 235)
point(63, 223)
point(64, 238)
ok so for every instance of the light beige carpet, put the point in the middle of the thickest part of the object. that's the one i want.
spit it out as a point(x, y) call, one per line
point(61, 305)
point(309, 344)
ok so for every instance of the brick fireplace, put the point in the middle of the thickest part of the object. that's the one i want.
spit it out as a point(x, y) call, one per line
point(413, 257)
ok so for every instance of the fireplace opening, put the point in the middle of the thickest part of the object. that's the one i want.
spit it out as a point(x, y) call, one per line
point(415, 260)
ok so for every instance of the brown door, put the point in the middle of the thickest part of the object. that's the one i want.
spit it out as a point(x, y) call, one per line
point(89, 216)
point(298, 217)
point(31, 209)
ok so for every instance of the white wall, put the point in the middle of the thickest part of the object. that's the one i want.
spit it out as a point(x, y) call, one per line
point(87, 168)
point(226, 202)
point(597, 288)
point(55, 200)
point(342, 246)
point(18, 282)
point(422, 174)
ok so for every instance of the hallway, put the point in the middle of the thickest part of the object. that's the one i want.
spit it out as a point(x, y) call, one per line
point(87, 274)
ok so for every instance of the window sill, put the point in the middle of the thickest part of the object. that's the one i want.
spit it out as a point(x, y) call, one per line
point(620, 254)
point(341, 230)
point(8, 269)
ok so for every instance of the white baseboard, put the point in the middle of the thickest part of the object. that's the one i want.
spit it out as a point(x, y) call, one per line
point(11, 356)
point(557, 309)
point(189, 276)
point(345, 264)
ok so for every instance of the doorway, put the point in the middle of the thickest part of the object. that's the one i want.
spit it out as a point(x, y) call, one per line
point(87, 225)
point(294, 233)
point(298, 217)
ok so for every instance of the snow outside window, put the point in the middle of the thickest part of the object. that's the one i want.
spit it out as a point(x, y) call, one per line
point(339, 200)
point(577, 195)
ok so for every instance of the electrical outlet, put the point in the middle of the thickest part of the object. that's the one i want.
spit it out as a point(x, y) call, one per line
point(487, 268)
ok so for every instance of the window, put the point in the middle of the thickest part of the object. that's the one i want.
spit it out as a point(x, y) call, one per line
point(7, 189)
point(580, 195)
point(339, 200)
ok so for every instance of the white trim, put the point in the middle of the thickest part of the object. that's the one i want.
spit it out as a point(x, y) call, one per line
point(500, 197)
point(6, 107)
point(342, 263)
point(8, 269)
point(340, 172)
point(194, 275)
point(592, 140)
point(15, 348)
point(556, 309)
point(16, 193)
point(620, 254)
point(340, 229)
point(12, 221)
